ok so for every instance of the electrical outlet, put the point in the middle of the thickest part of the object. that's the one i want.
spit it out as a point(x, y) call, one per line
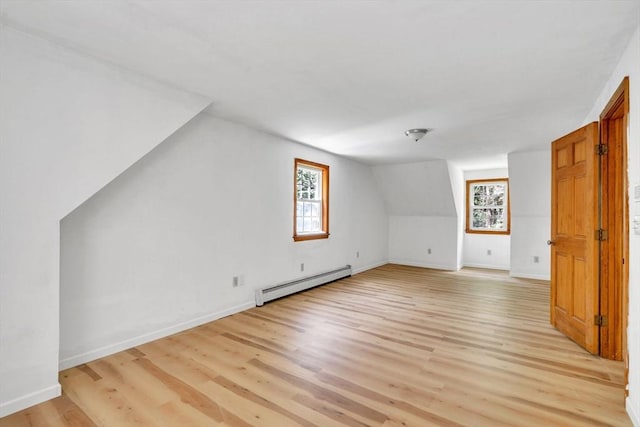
point(357, 254)
point(302, 266)
point(429, 251)
point(488, 251)
point(536, 259)
point(235, 281)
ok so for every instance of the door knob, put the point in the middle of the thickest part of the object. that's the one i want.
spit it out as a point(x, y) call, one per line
point(550, 242)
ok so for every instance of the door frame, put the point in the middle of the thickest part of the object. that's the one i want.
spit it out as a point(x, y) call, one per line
point(614, 254)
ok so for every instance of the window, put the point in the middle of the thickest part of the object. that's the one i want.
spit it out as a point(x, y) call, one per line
point(488, 206)
point(311, 201)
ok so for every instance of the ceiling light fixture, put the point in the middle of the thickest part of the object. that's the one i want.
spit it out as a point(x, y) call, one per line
point(416, 134)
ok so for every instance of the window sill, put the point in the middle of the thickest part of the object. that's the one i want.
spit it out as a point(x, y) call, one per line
point(310, 236)
point(502, 232)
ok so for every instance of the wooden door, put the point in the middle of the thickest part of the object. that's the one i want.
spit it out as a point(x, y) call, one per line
point(574, 250)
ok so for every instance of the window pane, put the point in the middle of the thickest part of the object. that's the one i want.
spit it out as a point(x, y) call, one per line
point(489, 218)
point(479, 218)
point(496, 218)
point(496, 195)
point(307, 225)
point(479, 195)
point(307, 183)
point(489, 194)
point(307, 209)
point(308, 216)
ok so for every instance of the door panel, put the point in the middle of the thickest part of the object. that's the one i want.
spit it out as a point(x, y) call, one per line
point(579, 290)
point(580, 223)
point(574, 257)
point(564, 273)
point(565, 212)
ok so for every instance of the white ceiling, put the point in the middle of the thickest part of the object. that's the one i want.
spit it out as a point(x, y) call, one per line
point(490, 77)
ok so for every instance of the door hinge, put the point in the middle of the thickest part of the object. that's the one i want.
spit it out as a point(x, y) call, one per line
point(600, 320)
point(601, 149)
point(601, 234)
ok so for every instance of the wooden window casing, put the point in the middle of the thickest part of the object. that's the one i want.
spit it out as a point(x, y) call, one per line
point(470, 207)
point(323, 232)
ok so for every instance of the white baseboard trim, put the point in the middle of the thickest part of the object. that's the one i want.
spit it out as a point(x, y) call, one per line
point(529, 276)
point(412, 263)
point(23, 402)
point(88, 356)
point(633, 413)
point(368, 267)
point(487, 266)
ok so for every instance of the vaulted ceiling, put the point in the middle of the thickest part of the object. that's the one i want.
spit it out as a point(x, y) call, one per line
point(490, 77)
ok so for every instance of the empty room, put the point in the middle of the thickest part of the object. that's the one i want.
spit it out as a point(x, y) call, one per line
point(319, 213)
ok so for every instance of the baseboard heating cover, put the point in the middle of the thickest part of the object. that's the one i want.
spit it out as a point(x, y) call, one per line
point(283, 289)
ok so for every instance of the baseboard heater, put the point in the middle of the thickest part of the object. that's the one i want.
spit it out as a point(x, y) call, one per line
point(283, 289)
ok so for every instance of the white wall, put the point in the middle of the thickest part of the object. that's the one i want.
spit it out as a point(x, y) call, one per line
point(629, 65)
point(486, 251)
point(416, 189)
point(158, 247)
point(68, 125)
point(458, 188)
point(411, 237)
point(530, 183)
point(477, 246)
point(422, 214)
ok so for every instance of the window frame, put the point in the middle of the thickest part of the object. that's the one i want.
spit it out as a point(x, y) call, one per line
point(468, 203)
point(324, 233)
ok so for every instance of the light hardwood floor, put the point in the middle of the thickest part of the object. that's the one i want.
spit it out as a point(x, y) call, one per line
point(394, 346)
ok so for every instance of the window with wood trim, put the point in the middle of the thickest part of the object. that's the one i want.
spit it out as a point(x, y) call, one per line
point(310, 200)
point(488, 206)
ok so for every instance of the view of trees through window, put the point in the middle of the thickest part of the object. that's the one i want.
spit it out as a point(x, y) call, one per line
point(311, 210)
point(488, 206)
point(309, 207)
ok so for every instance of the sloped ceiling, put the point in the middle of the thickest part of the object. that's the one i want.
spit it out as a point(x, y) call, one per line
point(416, 189)
point(491, 77)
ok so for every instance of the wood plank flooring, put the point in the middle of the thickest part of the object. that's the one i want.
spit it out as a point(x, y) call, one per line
point(394, 346)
